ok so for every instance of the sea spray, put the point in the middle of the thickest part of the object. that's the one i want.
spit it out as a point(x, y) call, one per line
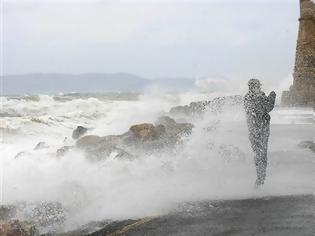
point(214, 162)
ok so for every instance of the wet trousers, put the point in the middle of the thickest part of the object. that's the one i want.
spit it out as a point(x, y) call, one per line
point(259, 142)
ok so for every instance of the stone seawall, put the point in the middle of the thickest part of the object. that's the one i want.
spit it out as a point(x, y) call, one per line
point(302, 92)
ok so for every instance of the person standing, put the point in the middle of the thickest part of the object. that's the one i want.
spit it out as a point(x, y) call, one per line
point(257, 107)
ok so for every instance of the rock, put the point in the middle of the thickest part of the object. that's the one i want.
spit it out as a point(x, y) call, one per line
point(217, 104)
point(173, 128)
point(67, 142)
point(144, 137)
point(62, 151)
point(184, 128)
point(284, 215)
point(98, 152)
point(122, 154)
point(7, 212)
point(41, 145)
point(48, 214)
point(165, 133)
point(88, 229)
point(45, 216)
point(22, 154)
point(166, 121)
point(198, 108)
point(140, 137)
point(17, 228)
point(88, 141)
point(107, 149)
point(107, 227)
point(194, 108)
point(114, 153)
point(112, 140)
point(97, 148)
point(79, 132)
point(147, 131)
point(308, 144)
point(160, 131)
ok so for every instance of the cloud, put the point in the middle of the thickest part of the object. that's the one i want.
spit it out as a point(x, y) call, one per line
point(171, 21)
point(149, 37)
point(80, 21)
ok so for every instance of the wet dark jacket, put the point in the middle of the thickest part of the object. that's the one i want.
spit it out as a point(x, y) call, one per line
point(257, 107)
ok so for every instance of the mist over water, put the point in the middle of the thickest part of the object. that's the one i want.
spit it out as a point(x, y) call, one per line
point(214, 162)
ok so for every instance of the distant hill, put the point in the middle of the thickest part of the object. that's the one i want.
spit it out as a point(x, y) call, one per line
point(89, 82)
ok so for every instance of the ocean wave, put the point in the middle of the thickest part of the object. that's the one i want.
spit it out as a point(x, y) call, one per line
point(215, 161)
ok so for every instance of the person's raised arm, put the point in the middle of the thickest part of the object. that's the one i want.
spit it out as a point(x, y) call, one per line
point(270, 102)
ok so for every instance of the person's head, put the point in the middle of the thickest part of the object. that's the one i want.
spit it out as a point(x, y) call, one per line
point(254, 85)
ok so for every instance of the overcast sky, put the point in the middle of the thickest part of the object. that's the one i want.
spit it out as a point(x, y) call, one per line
point(152, 38)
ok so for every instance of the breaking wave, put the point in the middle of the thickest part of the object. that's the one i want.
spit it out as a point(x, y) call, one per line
point(214, 162)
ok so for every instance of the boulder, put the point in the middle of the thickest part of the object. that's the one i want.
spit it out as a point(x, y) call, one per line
point(122, 154)
point(198, 108)
point(173, 128)
point(22, 154)
point(308, 144)
point(48, 214)
point(88, 141)
point(79, 132)
point(103, 152)
point(44, 216)
point(147, 131)
point(111, 140)
point(62, 151)
point(143, 131)
point(98, 152)
point(194, 108)
point(166, 121)
point(7, 212)
point(166, 132)
point(17, 228)
point(97, 148)
point(89, 229)
point(41, 145)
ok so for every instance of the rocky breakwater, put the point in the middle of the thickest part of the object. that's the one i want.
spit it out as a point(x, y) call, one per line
point(214, 106)
point(163, 134)
point(23, 219)
point(17, 228)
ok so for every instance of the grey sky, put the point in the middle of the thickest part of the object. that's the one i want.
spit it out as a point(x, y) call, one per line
point(152, 38)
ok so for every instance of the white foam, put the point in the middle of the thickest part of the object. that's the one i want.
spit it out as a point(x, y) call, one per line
point(215, 162)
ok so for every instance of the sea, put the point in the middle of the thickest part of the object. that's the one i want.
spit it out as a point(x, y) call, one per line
point(214, 162)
